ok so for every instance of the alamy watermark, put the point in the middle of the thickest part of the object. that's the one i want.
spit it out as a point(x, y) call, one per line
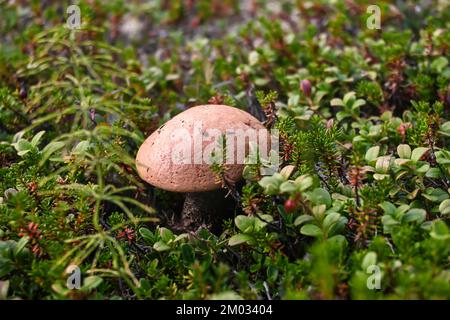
point(374, 20)
point(374, 280)
point(74, 279)
point(74, 17)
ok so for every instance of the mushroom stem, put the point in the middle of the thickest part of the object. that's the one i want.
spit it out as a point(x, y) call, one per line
point(206, 209)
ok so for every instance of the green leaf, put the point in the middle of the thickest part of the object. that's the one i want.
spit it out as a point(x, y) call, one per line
point(50, 149)
point(416, 214)
point(302, 219)
point(305, 181)
point(337, 227)
point(358, 103)
point(260, 222)
point(311, 230)
point(265, 181)
point(319, 211)
point(378, 176)
point(349, 96)
point(288, 187)
point(6, 266)
point(439, 230)
point(330, 219)
point(404, 151)
point(272, 273)
point(443, 157)
point(81, 147)
point(336, 102)
point(383, 164)
point(388, 208)
point(433, 173)
point(320, 196)
point(23, 147)
point(389, 221)
point(423, 169)
point(439, 64)
point(188, 253)
point(444, 207)
point(272, 184)
point(427, 226)
point(445, 128)
point(166, 234)
point(372, 153)
point(245, 223)
point(400, 211)
point(161, 246)
point(287, 171)
point(37, 138)
point(239, 239)
point(293, 100)
point(341, 115)
point(181, 237)
point(418, 153)
point(20, 245)
point(146, 234)
point(338, 240)
point(370, 259)
point(91, 283)
point(435, 194)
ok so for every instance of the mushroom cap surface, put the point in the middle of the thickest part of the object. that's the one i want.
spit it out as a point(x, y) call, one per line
point(160, 162)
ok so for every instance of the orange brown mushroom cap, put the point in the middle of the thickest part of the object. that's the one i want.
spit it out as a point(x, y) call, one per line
point(155, 158)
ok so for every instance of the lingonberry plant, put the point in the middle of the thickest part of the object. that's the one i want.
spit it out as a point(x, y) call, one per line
point(363, 186)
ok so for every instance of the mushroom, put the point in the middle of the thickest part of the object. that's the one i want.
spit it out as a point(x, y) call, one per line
point(178, 156)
